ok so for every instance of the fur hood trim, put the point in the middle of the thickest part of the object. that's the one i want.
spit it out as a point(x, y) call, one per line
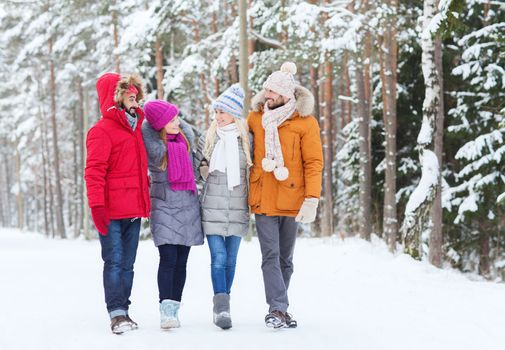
point(124, 83)
point(304, 101)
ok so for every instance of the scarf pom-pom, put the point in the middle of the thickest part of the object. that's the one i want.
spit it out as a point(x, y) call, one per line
point(268, 165)
point(281, 173)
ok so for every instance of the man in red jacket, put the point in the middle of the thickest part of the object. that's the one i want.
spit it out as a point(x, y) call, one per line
point(117, 188)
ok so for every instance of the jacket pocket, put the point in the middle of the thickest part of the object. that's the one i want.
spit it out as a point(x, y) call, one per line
point(291, 192)
point(124, 195)
point(255, 184)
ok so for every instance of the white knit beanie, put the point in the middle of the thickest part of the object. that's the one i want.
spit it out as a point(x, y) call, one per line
point(283, 81)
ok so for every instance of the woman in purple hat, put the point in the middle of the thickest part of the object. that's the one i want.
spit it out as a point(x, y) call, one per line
point(175, 210)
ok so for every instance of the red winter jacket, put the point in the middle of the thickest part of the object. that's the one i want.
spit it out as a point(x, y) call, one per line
point(116, 162)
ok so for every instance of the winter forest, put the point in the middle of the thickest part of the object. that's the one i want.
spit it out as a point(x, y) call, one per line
point(410, 98)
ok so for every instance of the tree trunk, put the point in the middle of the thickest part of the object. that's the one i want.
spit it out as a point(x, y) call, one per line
point(115, 35)
point(484, 259)
point(3, 222)
point(232, 70)
point(60, 225)
point(314, 86)
point(203, 80)
point(159, 69)
point(80, 159)
point(19, 194)
point(345, 90)
point(214, 30)
point(244, 54)
point(283, 35)
point(421, 200)
point(388, 63)
point(436, 234)
point(327, 205)
point(363, 110)
point(85, 208)
point(8, 187)
point(48, 185)
point(44, 173)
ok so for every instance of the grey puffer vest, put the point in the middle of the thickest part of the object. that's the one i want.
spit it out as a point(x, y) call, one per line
point(224, 212)
point(175, 215)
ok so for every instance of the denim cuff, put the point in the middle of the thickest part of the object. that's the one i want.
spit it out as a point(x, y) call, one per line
point(118, 312)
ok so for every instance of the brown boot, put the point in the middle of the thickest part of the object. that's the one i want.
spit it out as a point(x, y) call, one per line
point(276, 319)
point(120, 324)
point(290, 322)
point(132, 322)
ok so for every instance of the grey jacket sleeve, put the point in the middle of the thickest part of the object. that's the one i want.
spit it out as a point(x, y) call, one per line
point(155, 147)
point(199, 157)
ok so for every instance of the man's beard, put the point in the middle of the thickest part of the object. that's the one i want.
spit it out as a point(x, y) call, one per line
point(275, 104)
point(131, 112)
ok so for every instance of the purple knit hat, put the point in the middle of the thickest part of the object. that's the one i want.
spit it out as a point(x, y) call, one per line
point(159, 113)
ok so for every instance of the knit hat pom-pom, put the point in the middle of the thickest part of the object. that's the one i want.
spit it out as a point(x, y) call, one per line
point(268, 165)
point(281, 173)
point(288, 67)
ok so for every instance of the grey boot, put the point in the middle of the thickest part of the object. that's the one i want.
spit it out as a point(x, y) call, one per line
point(222, 316)
point(169, 314)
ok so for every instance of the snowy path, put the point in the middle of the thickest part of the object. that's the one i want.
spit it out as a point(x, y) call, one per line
point(346, 295)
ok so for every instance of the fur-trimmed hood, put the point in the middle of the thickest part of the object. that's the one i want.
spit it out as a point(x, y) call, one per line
point(110, 87)
point(304, 101)
point(124, 83)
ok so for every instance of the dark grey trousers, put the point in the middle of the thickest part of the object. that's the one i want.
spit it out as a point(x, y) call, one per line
point(277, 236)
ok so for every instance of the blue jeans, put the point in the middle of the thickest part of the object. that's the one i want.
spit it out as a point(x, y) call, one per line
point(172, 271)
point(119, 250)
point(223, 255)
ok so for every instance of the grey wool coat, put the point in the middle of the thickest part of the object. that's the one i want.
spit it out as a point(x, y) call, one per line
point(175, 215)
point(224, 212)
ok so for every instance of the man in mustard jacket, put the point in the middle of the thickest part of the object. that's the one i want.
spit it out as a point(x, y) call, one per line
point(285, 181)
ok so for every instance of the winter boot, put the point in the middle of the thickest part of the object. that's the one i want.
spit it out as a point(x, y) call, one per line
point(290, 321)
point(169, 314)
point(221, 310)
point(134, 324)
point(276, 319)
point(120, 324)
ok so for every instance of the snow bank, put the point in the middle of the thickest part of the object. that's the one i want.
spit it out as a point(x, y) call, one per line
point(346, 294)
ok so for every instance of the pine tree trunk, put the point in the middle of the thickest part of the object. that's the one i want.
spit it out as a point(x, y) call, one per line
point(251, 43)
point(345, 90)
point(80, 160)
point(388, 74)
point(214, 30)
point(85, 208)
point(436, 234)
point(3, 222)
point(314, 87)
point(77, 174)
point(8, 188)
point(203, 79)
point(363, 110)
point(244, 54)
point(48, 184)
point(60, 225)
point(484, 259)
point(115, 35)
point(19, 194)
point(159, 68)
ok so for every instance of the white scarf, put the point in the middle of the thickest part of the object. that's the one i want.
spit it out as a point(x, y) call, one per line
point(272, 118)
point(225, 156)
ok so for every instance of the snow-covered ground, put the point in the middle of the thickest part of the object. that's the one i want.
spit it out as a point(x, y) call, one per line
point(345, 294)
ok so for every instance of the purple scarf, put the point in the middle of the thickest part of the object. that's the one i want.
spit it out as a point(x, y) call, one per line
point(179, 167)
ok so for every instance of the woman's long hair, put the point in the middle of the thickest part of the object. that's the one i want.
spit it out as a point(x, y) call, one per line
point(211, 135)
point(163, 137)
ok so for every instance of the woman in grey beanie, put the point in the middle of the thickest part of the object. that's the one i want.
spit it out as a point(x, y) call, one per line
point(223, 159)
